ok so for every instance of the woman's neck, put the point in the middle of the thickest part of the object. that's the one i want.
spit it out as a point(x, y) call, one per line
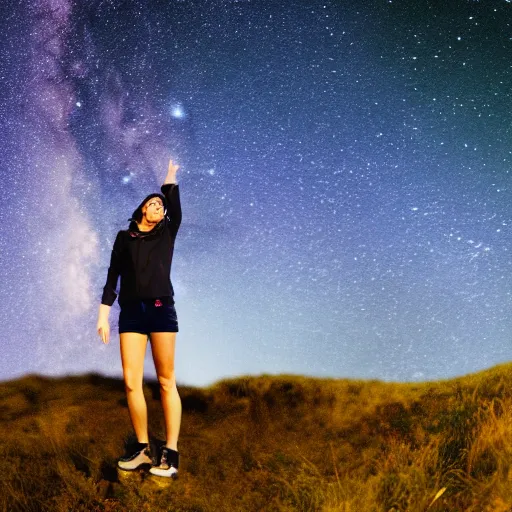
point(146, 226)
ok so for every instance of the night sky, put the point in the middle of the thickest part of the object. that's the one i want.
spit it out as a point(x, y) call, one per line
point(345, 181)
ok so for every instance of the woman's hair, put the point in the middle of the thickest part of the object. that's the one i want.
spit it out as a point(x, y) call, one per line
point(137, 214)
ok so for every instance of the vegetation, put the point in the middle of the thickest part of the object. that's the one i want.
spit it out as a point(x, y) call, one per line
point(267, 443)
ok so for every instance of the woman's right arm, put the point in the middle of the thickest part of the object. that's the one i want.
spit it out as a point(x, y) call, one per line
point(109, 292)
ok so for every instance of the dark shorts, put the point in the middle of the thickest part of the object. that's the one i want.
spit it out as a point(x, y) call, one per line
point(147, 316)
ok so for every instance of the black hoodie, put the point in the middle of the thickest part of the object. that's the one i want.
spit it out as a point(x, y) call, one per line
point(143, 258)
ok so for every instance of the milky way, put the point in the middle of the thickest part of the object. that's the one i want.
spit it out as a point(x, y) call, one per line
point(345, 172)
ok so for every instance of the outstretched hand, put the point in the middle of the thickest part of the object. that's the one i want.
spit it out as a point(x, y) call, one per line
point(171, 172)
point(173, 168)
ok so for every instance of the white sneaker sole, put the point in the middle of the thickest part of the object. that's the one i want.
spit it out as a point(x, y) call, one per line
point(169, 473)
point(136, 463)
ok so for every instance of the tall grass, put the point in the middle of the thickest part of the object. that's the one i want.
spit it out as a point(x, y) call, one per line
point(267, 443)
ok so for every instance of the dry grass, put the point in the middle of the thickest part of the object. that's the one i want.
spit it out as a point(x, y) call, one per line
point(269, 443)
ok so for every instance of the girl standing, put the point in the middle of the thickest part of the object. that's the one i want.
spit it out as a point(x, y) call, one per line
point(142, 257)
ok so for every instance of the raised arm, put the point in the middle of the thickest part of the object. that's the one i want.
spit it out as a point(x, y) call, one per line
point(171, 192)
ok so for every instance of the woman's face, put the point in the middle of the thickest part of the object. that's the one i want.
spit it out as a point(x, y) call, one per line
point(153, 210)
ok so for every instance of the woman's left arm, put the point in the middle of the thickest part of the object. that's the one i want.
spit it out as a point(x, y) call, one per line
point(171, 192)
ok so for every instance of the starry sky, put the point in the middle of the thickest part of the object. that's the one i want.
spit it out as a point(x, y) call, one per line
point(345, 182)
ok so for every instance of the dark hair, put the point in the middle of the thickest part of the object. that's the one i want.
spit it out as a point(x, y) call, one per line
point(137, 214)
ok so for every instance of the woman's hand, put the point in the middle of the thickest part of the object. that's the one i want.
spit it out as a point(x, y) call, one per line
point(171, 172)
point(103, 327)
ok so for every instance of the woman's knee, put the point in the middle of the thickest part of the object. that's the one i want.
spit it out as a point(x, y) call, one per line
point(167, 382)
point(132, 384)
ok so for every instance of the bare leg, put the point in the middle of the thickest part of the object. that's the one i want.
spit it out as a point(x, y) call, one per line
point(133, 350)
point(162, 347)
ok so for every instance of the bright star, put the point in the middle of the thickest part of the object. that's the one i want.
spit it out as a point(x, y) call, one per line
point(127, 178)
point(177, 111)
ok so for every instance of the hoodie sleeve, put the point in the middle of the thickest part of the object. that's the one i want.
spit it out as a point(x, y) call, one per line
point(109, 290)
point(171, 192)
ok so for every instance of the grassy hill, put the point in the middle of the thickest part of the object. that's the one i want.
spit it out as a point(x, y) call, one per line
point(268, 443)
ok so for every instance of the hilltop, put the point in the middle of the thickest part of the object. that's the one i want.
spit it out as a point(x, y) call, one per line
point(265, 443)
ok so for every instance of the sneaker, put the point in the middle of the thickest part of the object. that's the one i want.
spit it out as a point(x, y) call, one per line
point(136, 456)
point(169, 462)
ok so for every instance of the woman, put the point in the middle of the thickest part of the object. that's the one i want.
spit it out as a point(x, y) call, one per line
point(142, 256)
